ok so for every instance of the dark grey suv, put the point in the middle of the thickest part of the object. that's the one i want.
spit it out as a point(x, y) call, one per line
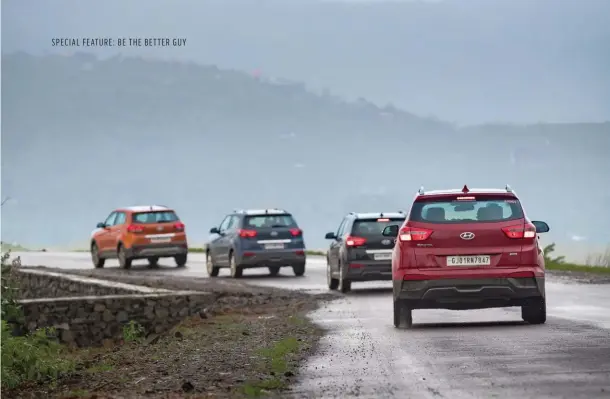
point(256, 238)
point(359, 250)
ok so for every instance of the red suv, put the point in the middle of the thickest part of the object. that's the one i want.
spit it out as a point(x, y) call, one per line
point(467, 249)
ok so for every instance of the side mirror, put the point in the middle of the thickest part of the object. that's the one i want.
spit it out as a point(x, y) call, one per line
point(214, 230)
point(390, 231)
point(330, 236)
point(101, 225)
point(541, 227)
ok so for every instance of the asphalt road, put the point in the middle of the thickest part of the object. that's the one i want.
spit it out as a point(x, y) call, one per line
point(448, 354)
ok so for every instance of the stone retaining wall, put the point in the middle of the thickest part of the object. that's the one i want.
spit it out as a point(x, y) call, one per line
point(88, 311)
point(90, 320)
point(35, 283)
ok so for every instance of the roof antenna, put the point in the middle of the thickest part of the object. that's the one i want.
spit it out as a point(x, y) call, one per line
point(421, 190)
point(465, 189)
point(508, 189)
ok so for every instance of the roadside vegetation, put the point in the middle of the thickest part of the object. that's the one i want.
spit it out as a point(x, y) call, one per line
point(31, 357)
point(598, 263)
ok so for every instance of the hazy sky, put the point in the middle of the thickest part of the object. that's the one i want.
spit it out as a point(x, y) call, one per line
point(466, 61)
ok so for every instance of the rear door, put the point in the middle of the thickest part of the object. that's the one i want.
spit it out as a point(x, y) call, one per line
point(219, 243)
point(335, 245)
point(466, 231)
point(373, 245)
point(271, 232)
point(104, 241)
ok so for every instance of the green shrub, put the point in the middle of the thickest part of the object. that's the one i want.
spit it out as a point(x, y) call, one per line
point(133, 332)
point(547, 252)
point(33, 357)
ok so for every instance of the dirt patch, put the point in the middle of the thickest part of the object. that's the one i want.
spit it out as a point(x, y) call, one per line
point(248, 344)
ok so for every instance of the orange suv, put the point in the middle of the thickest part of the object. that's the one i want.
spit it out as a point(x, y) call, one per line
point(139, 232)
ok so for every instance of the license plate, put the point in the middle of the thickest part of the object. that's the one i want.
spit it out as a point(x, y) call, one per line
point(160, 240)
point(382, 256)
point(274, 246)
point(472, 260)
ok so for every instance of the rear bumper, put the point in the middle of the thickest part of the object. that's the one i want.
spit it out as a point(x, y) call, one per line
point(369, 271)
point(469, 293)
point(262, 258)
point(160, 250)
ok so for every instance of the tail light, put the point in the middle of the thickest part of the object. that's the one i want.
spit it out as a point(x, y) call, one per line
point(414, 234)
point(526, 230)
point(247, 233)
point(353, 241)
point(179, 226)
point(132, 228)
point(296, 232)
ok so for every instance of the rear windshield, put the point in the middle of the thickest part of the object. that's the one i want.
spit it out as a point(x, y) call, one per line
point(262, 221)
point(373, 227)
point(155, 217)
point(469, 211)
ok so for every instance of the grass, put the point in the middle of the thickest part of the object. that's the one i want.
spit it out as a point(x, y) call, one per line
point(5, 247)
point(571, 267)
point(596, 263)
point(277, 359)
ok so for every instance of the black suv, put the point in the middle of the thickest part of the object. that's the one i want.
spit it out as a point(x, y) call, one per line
point(360, 251)
point(256, 238)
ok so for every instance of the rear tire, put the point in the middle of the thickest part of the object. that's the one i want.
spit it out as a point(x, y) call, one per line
point(274, 270)
point(333, 283)
point(236, 271)
point(98, 261)
point(180, 260)
point(299, 269)
point(153, 261)
point(403, 315)
point(534, 313)
point(209, 264)
point(345, 285)
point(124, 260)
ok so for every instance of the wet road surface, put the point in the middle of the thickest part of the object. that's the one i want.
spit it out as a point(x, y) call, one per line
point(448, 354)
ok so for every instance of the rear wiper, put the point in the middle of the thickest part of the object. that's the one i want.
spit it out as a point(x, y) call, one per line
point(277, 225)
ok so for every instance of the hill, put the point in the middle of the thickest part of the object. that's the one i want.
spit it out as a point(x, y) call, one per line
point(83, 135)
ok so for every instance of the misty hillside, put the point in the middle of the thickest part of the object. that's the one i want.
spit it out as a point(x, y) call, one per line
point(468, 61)
point(82, 136)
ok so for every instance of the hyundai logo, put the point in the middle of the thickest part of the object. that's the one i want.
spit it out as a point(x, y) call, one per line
point(159, 228)
point(386, 242)
point(467, 235)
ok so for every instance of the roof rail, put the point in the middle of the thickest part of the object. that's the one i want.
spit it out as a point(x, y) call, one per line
point(508, 189)
point(421, 190)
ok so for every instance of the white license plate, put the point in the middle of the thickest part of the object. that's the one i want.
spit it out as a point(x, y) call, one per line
point(382, 256)
point(274, 246)
point(160, 240)
point(471, 260)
